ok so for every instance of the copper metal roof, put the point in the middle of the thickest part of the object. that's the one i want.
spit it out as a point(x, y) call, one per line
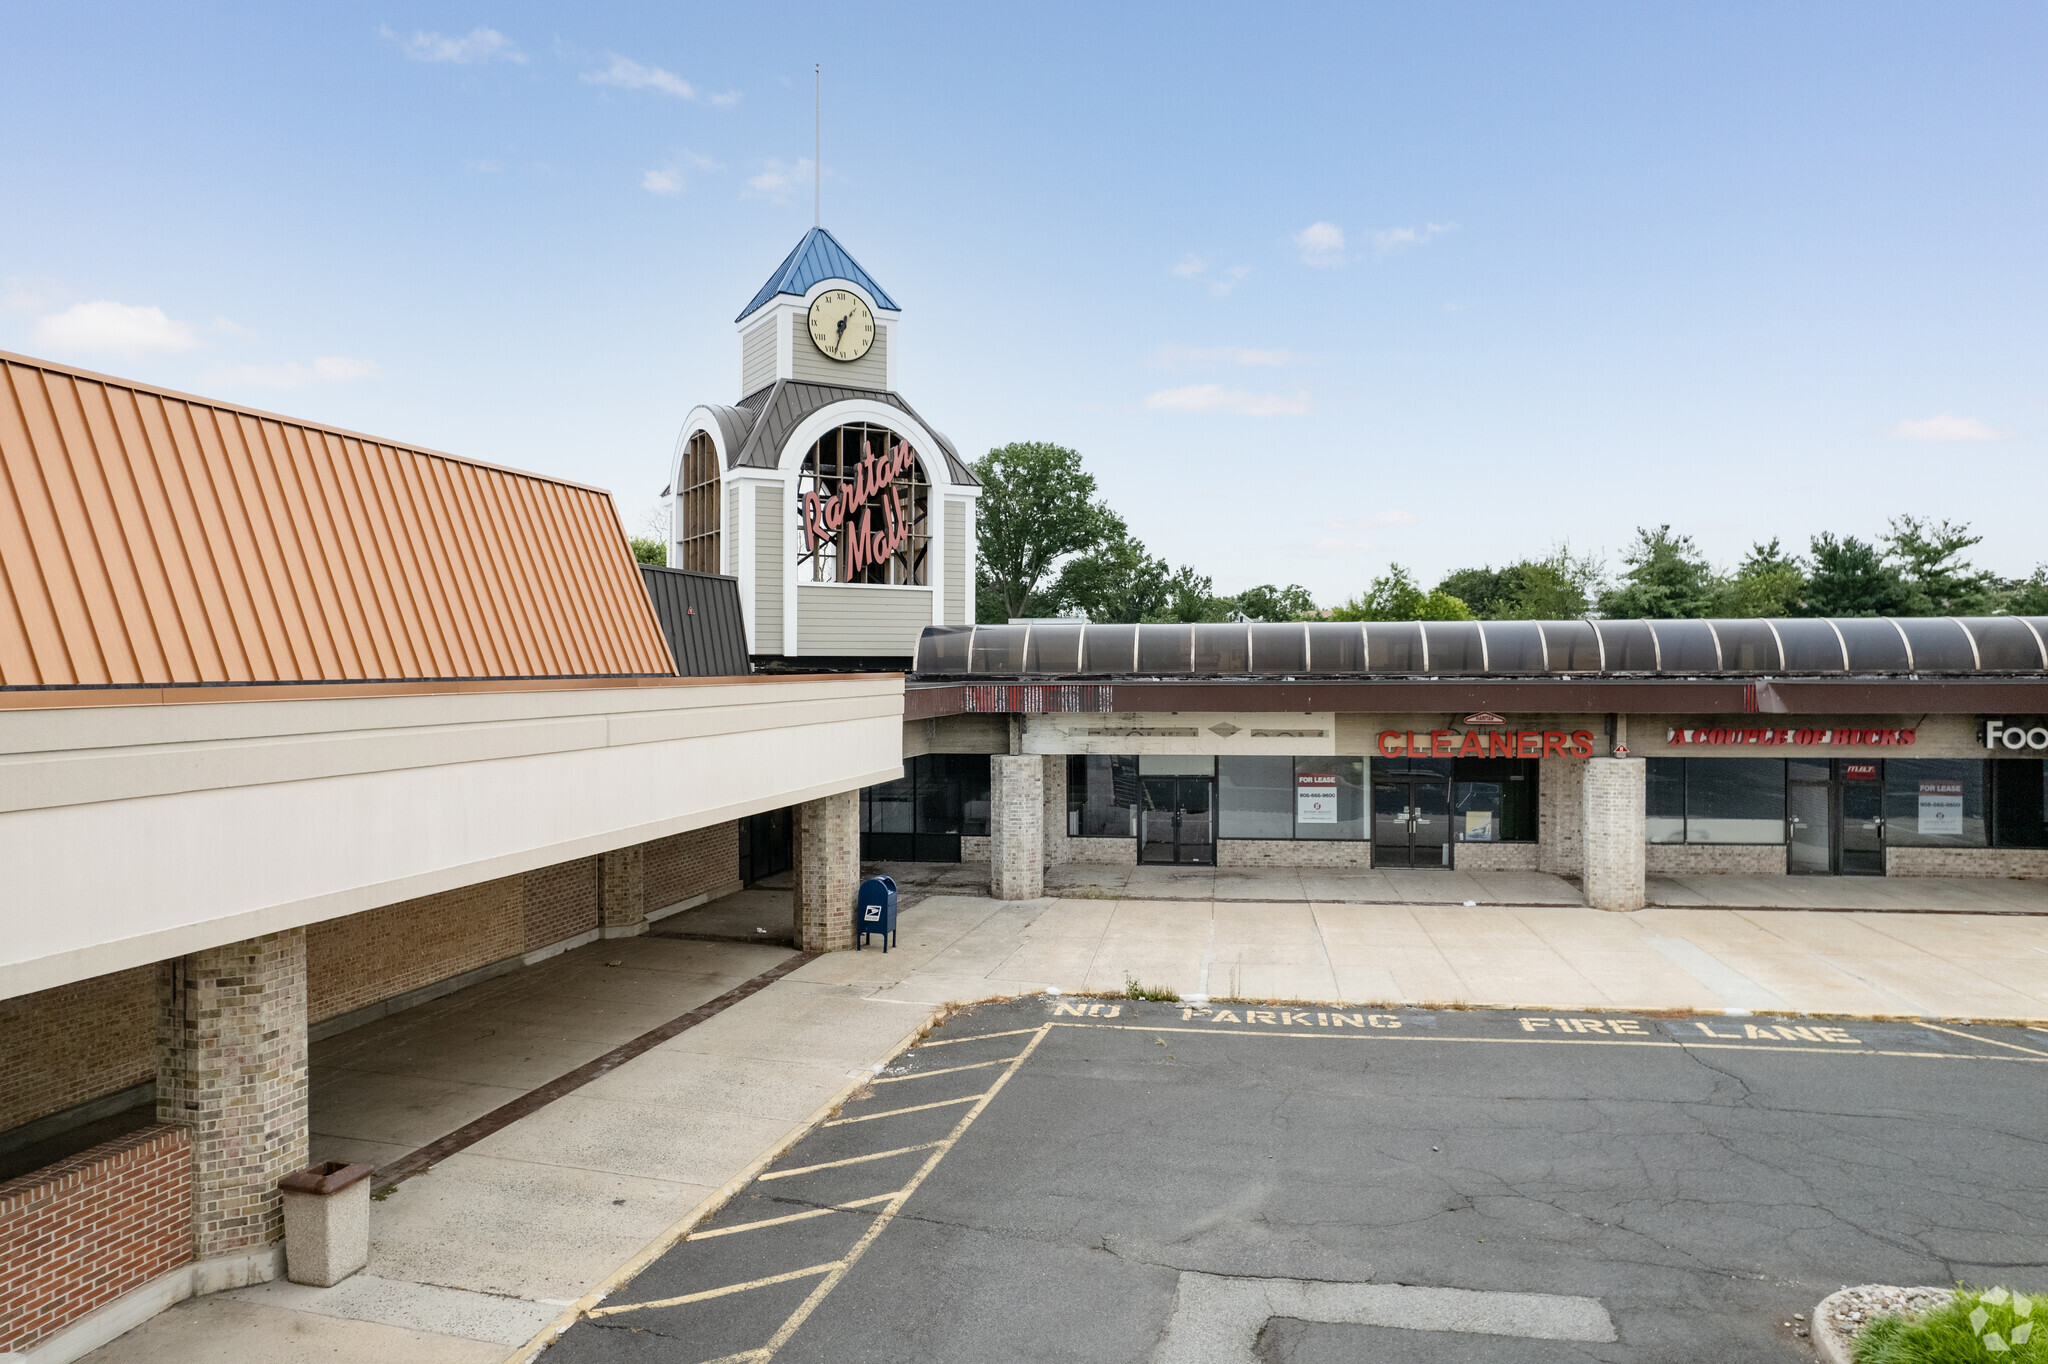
point(152, 538)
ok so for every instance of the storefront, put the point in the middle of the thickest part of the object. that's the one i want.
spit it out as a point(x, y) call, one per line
point(1753, 747)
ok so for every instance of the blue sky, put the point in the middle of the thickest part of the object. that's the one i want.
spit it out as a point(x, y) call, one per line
point(1312, 289)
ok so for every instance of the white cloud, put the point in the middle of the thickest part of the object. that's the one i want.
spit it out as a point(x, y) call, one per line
point(116, 328)
point(291, 374)
point(1383, 518)
point(778, 182)
point(628, 74)
point(1320, 244)
point(1216, 398)
point(1173, 356)
point(1947, 426)
point(473, 48)
point(1188, 266)
point(30, 293)
point(1387, 241)
point(1230, 279)
point(670, 179)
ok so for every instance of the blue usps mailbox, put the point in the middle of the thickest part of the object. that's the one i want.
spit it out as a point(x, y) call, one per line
point(875, 911)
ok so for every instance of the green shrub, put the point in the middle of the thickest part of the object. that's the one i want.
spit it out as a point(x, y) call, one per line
point(1133, 990)
point(1991, 1326)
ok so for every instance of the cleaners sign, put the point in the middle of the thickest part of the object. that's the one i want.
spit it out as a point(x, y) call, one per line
point(868, 507)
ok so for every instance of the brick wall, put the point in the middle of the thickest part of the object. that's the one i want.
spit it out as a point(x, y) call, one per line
point(1612, 832)
point(77, 1235)
point(1016, 814)
point(557, 902)
point(1497, 857)
point(1728, 859)
point(67, 1045)
point(1560, 816)
point(231, 1066)
point(2006, 862)
point(696, 863)
point(363, 958)
point(1292, 852)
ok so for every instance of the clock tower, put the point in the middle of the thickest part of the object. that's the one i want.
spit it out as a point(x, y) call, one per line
point(848, 521)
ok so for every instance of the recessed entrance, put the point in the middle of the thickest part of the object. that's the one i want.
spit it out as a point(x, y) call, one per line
point(1411, 822)
point(1835, 809)
point(1177, 810)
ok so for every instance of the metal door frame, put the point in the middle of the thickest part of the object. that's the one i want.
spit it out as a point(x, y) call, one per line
point(1408, 783)
point(1837, 784)
point(1179, 847)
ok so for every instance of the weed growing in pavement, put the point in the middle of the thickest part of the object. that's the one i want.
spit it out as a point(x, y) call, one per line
point(1994, 1324)
point(1133, 990)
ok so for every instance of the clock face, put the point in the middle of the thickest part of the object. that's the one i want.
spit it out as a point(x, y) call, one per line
point(842, 325)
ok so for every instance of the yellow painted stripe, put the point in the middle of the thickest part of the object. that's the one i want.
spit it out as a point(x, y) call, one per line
point(978, 1037)
point(888, 1214)
point(1840, 1049)
point(790, 1217)
point(949, 1070)
point(726, 1291)
point(1992, 1040)
point(897, 1112)
point(850, 1160)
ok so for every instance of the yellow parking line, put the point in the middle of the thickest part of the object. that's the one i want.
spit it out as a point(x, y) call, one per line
point(978, 1037)
point(850, 1160)
point(1992, 1040)
point(710, 1293)
point(914, 1108)
point(949, 1070)
point(888, 1214)
point(791, 1217)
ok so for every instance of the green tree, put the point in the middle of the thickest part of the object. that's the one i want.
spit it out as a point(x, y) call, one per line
point(1941, 582)
point(1115, 583)
point(1558, 586)
point(1267, 602)
point(1851, 578)
point(648, 549)
point(1397, 597)
point(2028, 596)
point(1768, 582)
point(1490, 592)
point(1667, 579)
point(1191, 598)
point(1037, 508)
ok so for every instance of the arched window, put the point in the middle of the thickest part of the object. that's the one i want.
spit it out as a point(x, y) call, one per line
point(698, 533)
point(864, 509)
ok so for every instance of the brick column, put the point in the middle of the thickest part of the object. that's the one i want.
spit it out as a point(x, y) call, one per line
point(1560, 816)
point(1613, 833)
point(1055, 809)
point(826, 874)
point(622, 891)
point(1016, 820)
point(231, 1066)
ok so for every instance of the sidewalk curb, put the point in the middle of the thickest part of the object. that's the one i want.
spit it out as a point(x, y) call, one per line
point(659, 1246)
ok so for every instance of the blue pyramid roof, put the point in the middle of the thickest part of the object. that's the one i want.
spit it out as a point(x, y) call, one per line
point(817, 257)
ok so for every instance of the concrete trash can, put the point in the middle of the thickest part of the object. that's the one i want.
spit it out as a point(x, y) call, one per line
point(326, 1222)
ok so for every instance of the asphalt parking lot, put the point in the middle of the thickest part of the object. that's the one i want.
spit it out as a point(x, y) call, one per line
point(1084, 1179)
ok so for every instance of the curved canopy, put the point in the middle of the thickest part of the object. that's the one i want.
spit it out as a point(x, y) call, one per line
point(1869, 646)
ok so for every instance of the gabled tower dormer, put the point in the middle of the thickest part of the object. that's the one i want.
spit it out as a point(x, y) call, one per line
point(848, 521)
point(796, 327)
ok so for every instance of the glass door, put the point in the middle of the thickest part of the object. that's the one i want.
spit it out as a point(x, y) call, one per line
point(1390, 824)
point(1429, 836)
point(1861, 809)
point(1176, 823)
point(1809, 807)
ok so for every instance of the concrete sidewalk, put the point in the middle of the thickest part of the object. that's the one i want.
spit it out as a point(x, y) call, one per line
point(1315, 885)
point(474, 1256)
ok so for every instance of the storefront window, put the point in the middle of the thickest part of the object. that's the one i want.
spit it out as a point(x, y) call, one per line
point(1493, 800)
point(1714, 800)
point(1315, 780)
point(1255, 797)
point(922, 815)
point(1934, 803)
point(1102, 796)
point(1664, 785)
point(1734, 800)
point(2019, 803)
